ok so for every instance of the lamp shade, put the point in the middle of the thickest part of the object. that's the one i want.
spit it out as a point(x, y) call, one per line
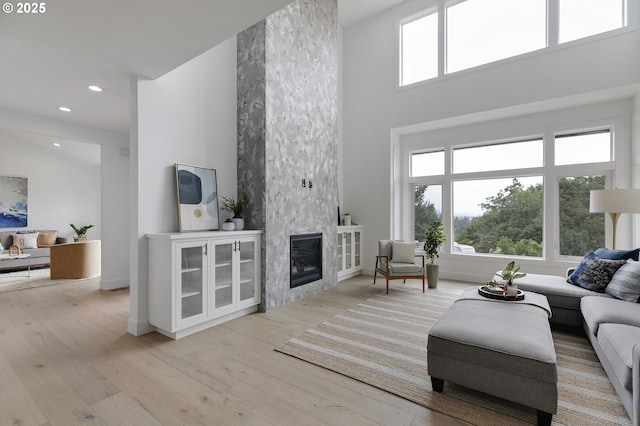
point(615, 201)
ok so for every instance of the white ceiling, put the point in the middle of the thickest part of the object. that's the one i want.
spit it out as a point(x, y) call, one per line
point(49, 59)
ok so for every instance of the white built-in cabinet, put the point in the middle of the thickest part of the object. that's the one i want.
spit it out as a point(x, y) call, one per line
point(200, 279)
point(348, 257)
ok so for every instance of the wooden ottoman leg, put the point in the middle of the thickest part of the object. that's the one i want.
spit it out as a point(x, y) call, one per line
point(437, 384)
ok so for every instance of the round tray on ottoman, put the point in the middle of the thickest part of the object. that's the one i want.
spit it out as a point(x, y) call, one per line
point(495, 293)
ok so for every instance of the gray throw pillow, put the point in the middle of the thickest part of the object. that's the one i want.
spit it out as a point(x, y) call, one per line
point(625, 283)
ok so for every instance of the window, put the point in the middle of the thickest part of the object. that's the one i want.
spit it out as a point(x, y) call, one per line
point(427, 208)
point(582, 18)
point(502, 156)
point(477, 32)
point(427, 164)
point(494, 197)
point(581, 148)
point(499, 216)
point(483, 31)
point(580, 231)
point(419, 49)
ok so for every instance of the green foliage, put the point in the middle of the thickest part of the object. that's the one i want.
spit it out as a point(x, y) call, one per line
point(434, 237)
point(510, 272)
point(425, 212)
point(81, 232)
point(512, 219)
point(580, 231)
point(235, 207)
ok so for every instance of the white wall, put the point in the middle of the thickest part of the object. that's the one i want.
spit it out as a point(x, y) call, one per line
point(374, 107)
point(187, 116)
point(62, 189)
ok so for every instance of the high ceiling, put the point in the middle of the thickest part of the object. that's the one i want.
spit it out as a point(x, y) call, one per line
point(49, 59)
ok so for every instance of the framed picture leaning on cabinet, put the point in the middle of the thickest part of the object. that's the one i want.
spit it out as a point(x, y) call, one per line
point(197, 191)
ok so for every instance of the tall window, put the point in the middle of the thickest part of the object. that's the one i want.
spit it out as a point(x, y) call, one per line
point(483, 31)
point(427, 208)
point(584, 147)
point(419, 49)
point(478, 32)
point(580, 231)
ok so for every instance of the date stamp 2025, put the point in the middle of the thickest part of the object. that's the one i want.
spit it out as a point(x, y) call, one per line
point(24, 8)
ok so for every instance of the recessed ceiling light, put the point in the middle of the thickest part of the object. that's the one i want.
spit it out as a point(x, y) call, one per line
point(95, 88)
point(56, 144)
point(64, 108)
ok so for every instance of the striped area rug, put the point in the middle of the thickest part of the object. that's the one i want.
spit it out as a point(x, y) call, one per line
point(382, 342)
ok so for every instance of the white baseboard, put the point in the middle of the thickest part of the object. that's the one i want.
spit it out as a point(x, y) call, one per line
point(114, 284)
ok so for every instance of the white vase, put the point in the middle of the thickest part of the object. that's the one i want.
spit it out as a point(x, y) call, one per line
point(228, 226)
point(239, 223)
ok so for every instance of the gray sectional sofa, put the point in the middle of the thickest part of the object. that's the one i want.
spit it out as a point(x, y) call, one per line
point(611, 323)
point(40, 256)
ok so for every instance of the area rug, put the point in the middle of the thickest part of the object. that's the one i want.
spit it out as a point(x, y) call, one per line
point(20, 280)
point(382, 342)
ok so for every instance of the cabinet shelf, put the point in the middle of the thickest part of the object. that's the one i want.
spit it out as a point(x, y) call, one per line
point(220, 265)
point(190, 293)
point(220, 286)
point(186, 270)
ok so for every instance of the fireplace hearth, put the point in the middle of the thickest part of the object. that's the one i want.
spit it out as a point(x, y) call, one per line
point(306, 259)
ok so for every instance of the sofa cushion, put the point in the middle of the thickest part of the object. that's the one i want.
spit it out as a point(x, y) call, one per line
point(594, 273)
point(403, 252)
point(625, 283)
point(600, 310)
point(559, 292)
point(606, 253)
point(47, 238)
point(617, 342)
point(25, 241)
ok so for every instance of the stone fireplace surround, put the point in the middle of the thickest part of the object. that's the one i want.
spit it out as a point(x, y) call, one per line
point(287, 134)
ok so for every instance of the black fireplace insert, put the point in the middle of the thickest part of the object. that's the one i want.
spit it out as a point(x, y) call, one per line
point(306, 259)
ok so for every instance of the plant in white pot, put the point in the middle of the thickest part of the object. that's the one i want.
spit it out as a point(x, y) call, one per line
point(236, 207)
point(433, 240)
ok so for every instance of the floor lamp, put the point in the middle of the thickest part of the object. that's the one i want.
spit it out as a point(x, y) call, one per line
point(614, 202)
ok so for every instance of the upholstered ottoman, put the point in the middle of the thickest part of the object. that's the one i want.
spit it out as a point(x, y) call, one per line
point(501, 348)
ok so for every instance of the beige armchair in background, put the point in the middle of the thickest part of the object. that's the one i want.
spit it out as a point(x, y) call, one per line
point(75, 260)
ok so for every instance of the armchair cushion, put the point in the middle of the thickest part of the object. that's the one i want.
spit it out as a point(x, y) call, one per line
point(403, 252)
point(404, 269)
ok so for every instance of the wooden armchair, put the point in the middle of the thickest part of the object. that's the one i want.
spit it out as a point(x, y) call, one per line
point(400, 265)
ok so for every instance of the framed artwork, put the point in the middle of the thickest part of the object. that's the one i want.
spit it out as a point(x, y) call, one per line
point(197, 190)
point(13, 202)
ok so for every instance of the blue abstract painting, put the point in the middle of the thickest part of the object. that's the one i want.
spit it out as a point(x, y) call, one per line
point(13, 202)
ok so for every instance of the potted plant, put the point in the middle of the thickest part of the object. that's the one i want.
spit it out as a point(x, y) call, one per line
point(81, 233)
point(433, 239)
point(236, 207)
point(510, 273)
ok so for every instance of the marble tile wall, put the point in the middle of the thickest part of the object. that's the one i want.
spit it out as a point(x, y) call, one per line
point(287, 133)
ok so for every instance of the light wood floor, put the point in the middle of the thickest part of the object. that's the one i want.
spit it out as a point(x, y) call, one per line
point(66, 359)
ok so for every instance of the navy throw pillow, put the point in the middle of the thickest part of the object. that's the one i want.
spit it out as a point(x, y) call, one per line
point(606, 253)
point(594, 273)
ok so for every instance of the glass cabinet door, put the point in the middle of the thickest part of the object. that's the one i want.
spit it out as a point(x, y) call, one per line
point(223, 270)
point(192, 277)
point(356, 248)
point(347, 250)
point(247, 270)
point(340, 251)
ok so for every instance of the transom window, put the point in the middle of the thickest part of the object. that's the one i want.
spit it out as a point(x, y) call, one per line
point(477, 32)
